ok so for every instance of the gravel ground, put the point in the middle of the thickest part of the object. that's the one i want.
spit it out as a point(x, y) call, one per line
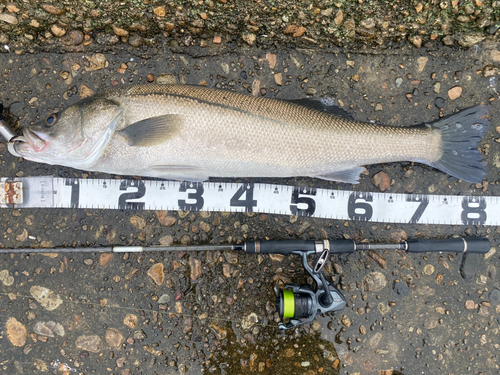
point(74, 26)
point(190, 312)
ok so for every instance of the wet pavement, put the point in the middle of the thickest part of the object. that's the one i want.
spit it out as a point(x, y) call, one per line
point(174, 313)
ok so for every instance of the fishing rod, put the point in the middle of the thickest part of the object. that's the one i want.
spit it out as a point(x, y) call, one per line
point(5, 129)
point(298, 303)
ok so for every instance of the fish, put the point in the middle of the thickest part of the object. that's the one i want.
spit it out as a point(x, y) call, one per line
point(183, 132)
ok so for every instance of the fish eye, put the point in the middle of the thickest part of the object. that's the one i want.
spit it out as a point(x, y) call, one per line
point(51, 119)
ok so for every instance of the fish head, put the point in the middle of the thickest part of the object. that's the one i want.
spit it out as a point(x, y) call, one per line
point(75, 137)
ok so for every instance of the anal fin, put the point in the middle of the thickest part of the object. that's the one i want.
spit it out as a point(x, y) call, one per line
point(350, 176)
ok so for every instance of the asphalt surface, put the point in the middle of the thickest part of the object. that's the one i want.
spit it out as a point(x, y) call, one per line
point(125, 314)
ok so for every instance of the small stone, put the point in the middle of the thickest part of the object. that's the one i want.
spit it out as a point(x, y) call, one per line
point(349, 25)
point(226, 270)
point(429, 269)
point(339, 17)
point(119, 31)
point(13, 8)
point(381, 180)
point(440, 310)
point(382, 262)
point(5, 278)
point(469, 304)
point(97, 62)
point(85, 92)
point(400, 290)
point(455, 92)
point(327, 12)
point(137, 221)
point(4, 38)
point(73, 38)
point(53, 10)
point(495, 297)
point(220, 332)
point(164, 219)
point(164, 298)
point(195, 266)
point(23, 236)
point(9, 18)
point(469, 40)
point(156, 273)
point(160, 11)
point(379, 107)
point(369, 23)
point(416, 40)
point(399, 81)
point(374, 282)
point(49, 329)
point(278, 79)
point(135, 40)
point(481, 279)
point(46, 297)
point(436, 87)
point(57, 31)
point(167, 241)
point(249, 38)
point(422, 62)
point(150, 78)
point(296, 31)
point(399, 235)
point(346, 320)
point(439, 103)
point(185, 240)
point(188, 325)
point(419, 7)
point(130, 321)
point(16, 332)
point(495, 55)
point(205, 227)
point(91, 343)
point(249, 321)
point(166, 79)
point(448, 40)
point(217, 40)
point(105, 258)
point(316, 326)
point(431, 322)
point(169, 26)
point(362, 330)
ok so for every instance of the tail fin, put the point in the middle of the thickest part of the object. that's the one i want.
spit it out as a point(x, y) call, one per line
point(461, 134)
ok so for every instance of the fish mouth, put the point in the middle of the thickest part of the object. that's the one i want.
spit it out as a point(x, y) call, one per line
point(30, 140)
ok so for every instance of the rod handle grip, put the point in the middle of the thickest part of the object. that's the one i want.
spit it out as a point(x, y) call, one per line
point(284, 247)
point(480, 245)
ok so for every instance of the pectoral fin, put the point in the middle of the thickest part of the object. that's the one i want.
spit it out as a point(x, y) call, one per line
point(350, 176)
point(151, 131)
point(179, 172)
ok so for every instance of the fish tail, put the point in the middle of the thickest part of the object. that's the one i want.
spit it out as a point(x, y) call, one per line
point(460, 135)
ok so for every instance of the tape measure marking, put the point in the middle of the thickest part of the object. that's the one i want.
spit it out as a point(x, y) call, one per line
point(47, 192)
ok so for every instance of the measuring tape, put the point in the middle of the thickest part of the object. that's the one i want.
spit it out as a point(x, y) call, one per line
point(55, 192)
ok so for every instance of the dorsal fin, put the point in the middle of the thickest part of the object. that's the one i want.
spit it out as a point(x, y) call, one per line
point(324, 104)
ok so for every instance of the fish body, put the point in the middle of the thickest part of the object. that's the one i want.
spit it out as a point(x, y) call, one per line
point(192, 133)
